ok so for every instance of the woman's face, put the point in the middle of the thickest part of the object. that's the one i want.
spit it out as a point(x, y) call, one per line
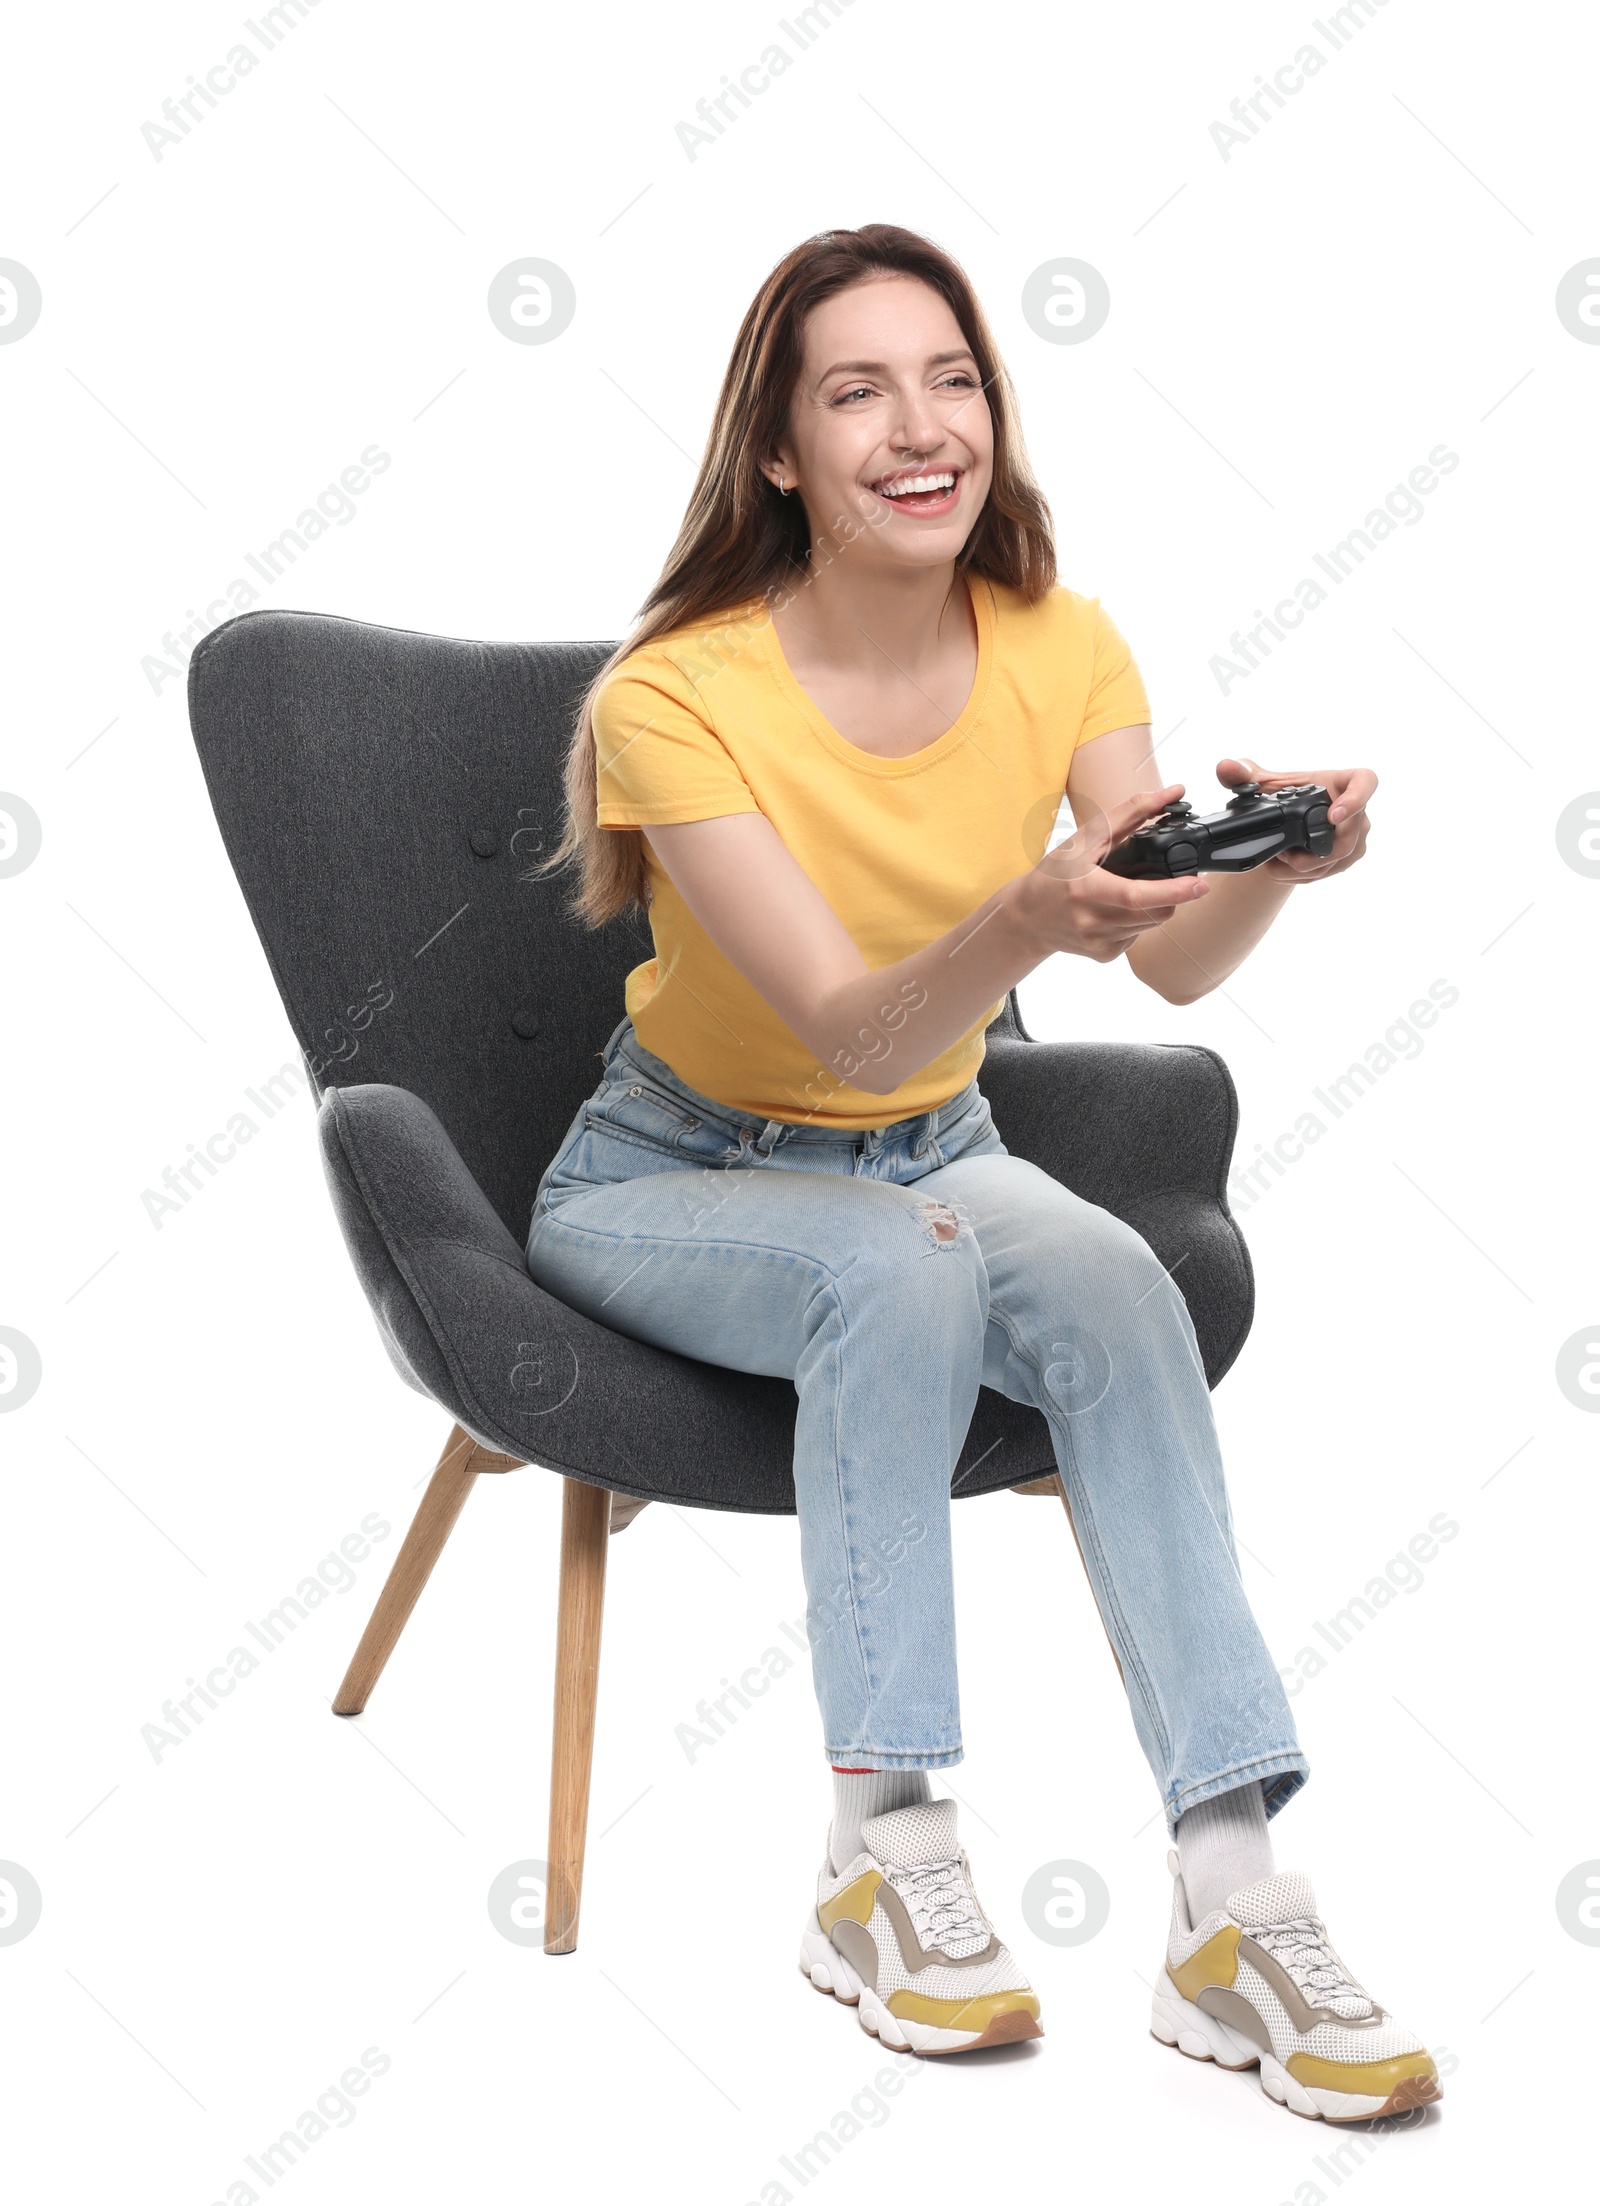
point(888, 396)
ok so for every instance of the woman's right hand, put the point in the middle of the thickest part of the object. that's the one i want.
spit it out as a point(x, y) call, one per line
point(1069, 902)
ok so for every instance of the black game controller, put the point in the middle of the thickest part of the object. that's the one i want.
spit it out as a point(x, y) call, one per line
point(1255, 825)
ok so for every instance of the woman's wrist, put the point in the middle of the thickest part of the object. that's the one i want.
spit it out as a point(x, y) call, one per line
point(1016, 920)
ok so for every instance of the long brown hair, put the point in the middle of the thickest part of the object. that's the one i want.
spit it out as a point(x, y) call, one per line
point(741, 539)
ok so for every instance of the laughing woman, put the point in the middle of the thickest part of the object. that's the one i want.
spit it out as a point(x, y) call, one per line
point(827, 762)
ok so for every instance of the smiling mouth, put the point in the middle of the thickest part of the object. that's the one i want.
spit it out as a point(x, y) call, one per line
point(932, 491)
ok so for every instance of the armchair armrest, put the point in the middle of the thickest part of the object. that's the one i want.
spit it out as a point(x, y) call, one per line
point(464, 1323)
point(427, 1244)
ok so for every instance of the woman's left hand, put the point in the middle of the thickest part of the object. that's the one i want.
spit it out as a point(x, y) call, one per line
point(1348, 789)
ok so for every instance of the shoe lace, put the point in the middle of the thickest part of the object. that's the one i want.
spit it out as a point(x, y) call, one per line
point(940, 1902)
point(1301, 1947)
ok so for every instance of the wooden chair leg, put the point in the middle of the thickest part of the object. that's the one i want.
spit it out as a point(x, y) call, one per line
point(624, 1508)
point(442, 1503)
point(585, 1521)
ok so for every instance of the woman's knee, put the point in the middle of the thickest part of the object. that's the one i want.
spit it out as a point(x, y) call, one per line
point(1122, 1257)
point(1095, 1299)
point(1082, 1241)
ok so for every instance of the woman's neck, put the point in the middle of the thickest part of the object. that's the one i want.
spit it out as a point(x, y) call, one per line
point(854, 618)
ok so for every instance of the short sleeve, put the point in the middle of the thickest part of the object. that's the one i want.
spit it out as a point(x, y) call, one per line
point(658, 758)
point(1116, 690)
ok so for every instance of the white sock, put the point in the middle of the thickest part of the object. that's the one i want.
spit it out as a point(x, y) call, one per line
point(859, 1793)
point(1223, 1846)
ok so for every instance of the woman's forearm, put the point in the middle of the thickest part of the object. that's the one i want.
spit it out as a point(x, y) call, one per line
point(881, 1027)
point(872, 1029)
point(1202, 943)
point(877, 1029)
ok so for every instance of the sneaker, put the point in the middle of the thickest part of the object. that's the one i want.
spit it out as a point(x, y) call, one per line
point(900, 1935)
point(1258, 1983)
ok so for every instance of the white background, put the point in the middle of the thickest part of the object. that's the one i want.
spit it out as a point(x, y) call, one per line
point(1372, 275)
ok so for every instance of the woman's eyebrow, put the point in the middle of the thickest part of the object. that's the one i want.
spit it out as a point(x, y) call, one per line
point(881, 367)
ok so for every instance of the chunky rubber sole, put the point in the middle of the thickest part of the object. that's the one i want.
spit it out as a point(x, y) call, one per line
point(1176, 2021)
point(826, 1968)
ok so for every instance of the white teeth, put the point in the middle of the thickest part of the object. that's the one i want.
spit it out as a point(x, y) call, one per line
point(918, 482)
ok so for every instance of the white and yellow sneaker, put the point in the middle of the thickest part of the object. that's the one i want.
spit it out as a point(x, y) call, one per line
point(899, 1934)
point(1259, 1983)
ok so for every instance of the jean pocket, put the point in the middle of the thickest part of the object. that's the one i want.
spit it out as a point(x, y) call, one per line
point(641, 1113)
point(972, 1130)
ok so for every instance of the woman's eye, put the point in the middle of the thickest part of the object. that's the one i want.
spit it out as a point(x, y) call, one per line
point(860, 390)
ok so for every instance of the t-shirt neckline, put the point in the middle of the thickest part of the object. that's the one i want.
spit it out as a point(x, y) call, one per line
point(851, 754)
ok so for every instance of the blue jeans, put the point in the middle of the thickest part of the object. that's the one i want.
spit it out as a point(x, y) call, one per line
point(889, 1273)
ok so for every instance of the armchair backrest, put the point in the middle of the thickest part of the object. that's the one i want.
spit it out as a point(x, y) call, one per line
point(379, 795)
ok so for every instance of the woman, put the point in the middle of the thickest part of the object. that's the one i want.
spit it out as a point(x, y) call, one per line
point(828, 762)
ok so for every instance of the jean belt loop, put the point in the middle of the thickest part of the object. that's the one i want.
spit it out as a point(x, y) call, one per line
point(769, 1137)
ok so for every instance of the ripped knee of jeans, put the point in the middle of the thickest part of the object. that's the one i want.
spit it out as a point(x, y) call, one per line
point(939, 1221)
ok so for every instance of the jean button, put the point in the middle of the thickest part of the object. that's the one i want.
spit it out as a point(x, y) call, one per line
point(636, 1091)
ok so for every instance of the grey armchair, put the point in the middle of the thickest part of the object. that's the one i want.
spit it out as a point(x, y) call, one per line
point(380, 793)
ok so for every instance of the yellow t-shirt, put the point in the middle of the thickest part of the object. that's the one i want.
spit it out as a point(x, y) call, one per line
point(710, 720)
